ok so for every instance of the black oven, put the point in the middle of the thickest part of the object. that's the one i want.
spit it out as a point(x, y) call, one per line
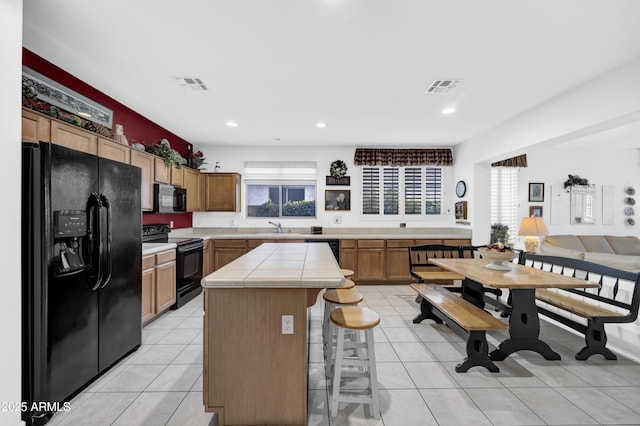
point(189, 260)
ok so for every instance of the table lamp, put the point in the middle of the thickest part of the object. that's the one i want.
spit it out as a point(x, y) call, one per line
point(532, 227)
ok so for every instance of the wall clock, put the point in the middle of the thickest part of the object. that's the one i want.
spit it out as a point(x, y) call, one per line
point(461, 188)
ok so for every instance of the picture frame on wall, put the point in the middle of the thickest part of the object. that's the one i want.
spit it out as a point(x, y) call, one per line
point(337, 200)
point(536, 192)
point(535, 211)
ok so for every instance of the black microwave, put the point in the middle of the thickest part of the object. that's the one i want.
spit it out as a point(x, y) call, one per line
point(169, 199)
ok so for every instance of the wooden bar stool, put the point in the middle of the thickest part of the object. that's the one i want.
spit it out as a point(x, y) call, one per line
point(355, 318)
point(333, 298)
point(347, 273)
point(348, 285)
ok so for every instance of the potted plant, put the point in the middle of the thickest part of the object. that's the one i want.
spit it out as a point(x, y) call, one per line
point(575, 180)
point(164, 150)
point(500, 232)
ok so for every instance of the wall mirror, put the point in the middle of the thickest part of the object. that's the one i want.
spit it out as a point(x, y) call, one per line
point(583, 202)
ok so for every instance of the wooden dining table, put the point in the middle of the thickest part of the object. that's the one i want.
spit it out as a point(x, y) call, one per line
point(522, 281)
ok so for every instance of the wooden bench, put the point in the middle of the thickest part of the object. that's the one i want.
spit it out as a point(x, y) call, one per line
point(426, 272)
point(616, 301)
point(440, 304)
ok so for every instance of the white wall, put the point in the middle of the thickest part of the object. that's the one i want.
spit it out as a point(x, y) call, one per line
point(232, 160)
point(607, 102)
point(10, 101)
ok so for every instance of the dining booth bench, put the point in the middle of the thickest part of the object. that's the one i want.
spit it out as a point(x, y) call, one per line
point(440, 304)
point(616, 301)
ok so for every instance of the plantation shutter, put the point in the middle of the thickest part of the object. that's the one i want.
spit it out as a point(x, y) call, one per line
point(433, 190)
point(391, 187)
point(370, 190)
point(412, 190)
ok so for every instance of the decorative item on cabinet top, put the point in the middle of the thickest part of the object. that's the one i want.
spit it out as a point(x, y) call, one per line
point(53, 95)
point(163, 149)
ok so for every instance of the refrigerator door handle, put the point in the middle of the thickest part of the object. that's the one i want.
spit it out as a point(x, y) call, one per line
point(107, 276)
point(95, 240)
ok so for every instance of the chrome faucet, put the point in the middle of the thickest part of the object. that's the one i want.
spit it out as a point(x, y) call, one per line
point(278, 227)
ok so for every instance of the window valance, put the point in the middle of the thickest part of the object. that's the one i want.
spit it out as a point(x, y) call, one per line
point(518, 161)
point(403, 157)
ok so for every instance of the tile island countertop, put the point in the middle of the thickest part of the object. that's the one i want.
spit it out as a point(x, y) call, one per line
point(272, 265)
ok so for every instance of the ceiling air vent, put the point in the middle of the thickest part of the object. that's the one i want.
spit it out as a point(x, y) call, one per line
point(191, 83)
point(442, 85)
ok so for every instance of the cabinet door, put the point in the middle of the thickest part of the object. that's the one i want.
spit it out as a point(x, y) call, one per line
point(226, 251)
point(371, 260)
point(397, 259)
point(74, 137)
point(146, 163)
point(165, 285)
point(161, 171)
point(348, 257)
point(177, 176)
point(223, 192)
point(206, 258)
point(202, 189)
point(148, 294)
point(192, 185)
point(114, 151)
point(35, 127)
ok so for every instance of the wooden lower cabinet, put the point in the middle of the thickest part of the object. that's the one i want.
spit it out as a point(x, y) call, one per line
point(397, 260)
point(158, 284)
point(383, 261)
point(207, 258)
point(371, 264)
point(226, 251)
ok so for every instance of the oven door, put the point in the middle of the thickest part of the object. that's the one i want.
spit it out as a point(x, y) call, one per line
point(189, 258)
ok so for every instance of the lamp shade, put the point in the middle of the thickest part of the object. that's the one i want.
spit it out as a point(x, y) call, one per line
point(533, 226)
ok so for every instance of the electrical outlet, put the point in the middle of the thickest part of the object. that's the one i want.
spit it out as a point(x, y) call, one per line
point(337, 220)
point(287, 324)
point(171, 224)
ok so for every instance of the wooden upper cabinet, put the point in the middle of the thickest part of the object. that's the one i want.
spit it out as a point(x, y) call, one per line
point(146, 163)
point(192, 185)
point(113, 150)
point(202, 188)
point(35, 127)
point(162, 173)
point(177, 176)
point(74, 137)
point(222, 192)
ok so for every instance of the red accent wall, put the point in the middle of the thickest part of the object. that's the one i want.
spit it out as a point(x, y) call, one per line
point(136, 127)
point(180, 220)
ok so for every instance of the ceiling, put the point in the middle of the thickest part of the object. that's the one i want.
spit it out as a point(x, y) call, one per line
point(361, 66)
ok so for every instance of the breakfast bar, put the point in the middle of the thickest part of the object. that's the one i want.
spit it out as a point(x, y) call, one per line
point(255, 332)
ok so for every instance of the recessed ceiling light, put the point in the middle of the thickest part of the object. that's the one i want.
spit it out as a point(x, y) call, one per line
point(449, 110)
point(232, 124)
point(321, 125)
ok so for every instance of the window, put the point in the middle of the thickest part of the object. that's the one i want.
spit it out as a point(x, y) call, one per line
point(280, 189)
point(504, 198)
point(412, 191)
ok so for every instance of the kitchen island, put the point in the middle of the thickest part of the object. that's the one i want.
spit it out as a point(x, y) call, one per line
point(254, 374)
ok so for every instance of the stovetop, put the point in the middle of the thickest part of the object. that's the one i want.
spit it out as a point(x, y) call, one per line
point(159, 233)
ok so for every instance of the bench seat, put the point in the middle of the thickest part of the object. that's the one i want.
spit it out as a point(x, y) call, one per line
point(608, 301)
point(440, 304)
point(573, 305)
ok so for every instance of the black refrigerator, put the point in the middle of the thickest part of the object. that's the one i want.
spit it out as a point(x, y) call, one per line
point(81, 272)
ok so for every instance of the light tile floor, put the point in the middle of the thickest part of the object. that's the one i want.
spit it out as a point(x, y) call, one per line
point(161, 384)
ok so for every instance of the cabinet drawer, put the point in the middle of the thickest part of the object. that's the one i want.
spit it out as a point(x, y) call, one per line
point(165, 256)
point(370, 243)
point(400, 243)
point(457, 242)
point(347, 243)
point(148, 261)
point(231, 243)
point(423, 242)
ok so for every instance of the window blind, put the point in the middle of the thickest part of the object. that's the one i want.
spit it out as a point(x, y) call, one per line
point(391, 183)
point(433, 190)
point(412, 190)
point(370, 190)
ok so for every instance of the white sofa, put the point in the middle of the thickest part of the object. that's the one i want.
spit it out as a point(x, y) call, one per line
point(616, 252)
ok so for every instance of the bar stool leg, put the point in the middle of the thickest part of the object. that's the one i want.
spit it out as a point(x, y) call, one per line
point(337, 369)
point(373, 375)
